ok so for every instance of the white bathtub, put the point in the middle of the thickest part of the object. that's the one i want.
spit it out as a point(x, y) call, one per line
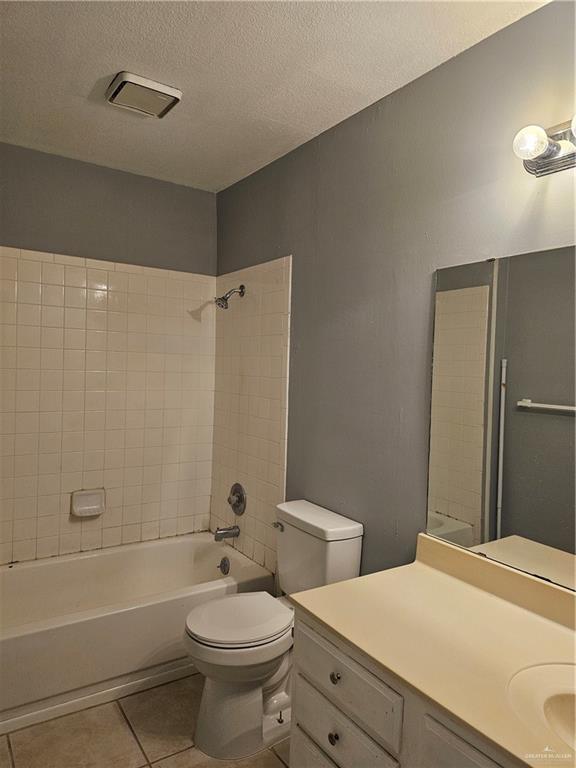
point(82, 629)
point(450, 529)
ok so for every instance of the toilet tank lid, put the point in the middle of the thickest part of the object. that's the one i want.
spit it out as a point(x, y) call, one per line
point(317, 521)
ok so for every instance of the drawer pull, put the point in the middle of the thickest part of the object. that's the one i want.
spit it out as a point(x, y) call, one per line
point(335, 677)
point(333, 738)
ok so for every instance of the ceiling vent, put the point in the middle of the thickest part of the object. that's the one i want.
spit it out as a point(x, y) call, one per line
point(142, 95)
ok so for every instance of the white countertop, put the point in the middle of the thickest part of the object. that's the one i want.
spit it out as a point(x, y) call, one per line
point(532, 557)
point(456, 639)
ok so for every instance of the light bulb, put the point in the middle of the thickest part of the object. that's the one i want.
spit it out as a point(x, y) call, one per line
point(573, 126)
point(530, 142)
point(566, 148)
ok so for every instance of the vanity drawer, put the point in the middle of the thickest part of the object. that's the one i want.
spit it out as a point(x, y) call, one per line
point(342, 740)
point(371, 703)
point(305, 754)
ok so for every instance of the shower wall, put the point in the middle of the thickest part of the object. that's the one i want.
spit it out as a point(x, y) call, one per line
point(250, 406)
point(106, 379)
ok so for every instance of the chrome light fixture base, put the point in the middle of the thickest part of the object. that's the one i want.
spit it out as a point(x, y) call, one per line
point(555, 160)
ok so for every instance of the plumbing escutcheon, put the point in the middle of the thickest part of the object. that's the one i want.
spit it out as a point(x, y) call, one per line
point(237, 499)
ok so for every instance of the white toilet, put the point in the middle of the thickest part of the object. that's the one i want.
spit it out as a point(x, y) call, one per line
point(242, 643)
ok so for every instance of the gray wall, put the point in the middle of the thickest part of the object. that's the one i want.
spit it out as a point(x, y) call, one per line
point(52, 203)
point(423, 179)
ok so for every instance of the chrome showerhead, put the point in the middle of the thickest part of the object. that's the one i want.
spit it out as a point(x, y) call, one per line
point(222, 301)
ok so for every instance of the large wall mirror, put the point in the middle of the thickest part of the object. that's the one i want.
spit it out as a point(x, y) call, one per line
point(502, 461)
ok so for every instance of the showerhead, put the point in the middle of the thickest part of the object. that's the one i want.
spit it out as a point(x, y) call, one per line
point(222, 301)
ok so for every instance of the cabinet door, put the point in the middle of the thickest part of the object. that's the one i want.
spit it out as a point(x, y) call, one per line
point(441, 748)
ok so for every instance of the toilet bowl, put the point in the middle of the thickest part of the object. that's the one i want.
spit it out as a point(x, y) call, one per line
point(242, 643)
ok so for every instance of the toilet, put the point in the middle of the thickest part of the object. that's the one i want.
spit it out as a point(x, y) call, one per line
point(242, 643)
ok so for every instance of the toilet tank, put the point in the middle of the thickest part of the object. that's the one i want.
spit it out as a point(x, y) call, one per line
point(315, 546)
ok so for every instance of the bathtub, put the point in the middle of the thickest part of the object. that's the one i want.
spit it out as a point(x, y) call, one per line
point(450, 529)
point(82, 629)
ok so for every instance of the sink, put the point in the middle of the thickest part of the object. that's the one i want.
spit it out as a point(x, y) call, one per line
point(545, 695)
point(560, 712)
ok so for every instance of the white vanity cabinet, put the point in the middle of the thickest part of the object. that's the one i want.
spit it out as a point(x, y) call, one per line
point(348, 712)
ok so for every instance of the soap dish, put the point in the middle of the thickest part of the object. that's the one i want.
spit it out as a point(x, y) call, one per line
point(89, 503)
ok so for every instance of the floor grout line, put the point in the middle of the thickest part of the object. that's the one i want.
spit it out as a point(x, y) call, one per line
point(61, 717)
point(102, 704)
point(158, 685)
point(10, 751)
point(133, 732)
point(148, 762)
point(172, 754)
point(276, 754)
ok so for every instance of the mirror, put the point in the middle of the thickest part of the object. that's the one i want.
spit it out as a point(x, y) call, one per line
point(502, 460)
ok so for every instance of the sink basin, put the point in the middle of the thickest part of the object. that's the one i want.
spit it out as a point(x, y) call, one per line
point(560, 711)
point(545, 695)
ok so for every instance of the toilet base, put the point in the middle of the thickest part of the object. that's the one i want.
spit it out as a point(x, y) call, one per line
point(232, 723)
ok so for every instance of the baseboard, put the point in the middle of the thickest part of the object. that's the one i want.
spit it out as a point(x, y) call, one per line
point(91, 696)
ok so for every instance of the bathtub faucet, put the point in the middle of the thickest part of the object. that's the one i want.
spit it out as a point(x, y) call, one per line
point(231, 532)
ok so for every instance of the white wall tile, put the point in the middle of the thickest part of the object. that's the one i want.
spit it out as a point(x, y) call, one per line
point(458, 392)
point(79, 339)
point(249, 436)
point(127, 377)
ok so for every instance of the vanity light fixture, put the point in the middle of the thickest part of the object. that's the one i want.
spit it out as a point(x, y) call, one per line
point(547, 151)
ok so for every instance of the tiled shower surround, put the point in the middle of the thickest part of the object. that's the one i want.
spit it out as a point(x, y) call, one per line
point(250, 407)
point(107, 378)
point(458, 395)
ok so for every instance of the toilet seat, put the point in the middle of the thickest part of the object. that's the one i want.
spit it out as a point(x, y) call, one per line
point(240, 621)
point(239, 657)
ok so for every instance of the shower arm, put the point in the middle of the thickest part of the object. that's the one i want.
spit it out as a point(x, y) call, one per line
point(241, 291)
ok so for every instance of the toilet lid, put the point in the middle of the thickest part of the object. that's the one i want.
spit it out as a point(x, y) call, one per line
point(239, 621)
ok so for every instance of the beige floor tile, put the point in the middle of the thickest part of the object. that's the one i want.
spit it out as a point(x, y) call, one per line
point(282, 749)
point(5, 761)
point(95, 738)
point(193, 758)
point(164, 718)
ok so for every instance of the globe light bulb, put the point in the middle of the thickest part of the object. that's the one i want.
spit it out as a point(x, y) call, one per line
point(530, 142)
point(566, 147)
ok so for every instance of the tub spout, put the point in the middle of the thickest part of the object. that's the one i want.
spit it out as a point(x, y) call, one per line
point(231, 532)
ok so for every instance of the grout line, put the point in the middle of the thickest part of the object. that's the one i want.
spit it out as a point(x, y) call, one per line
point(61, 717)
point(95, 706)
point(271, 749)
point(172, 754)
point(129, 724)
point(10, 751)
point(158, 685)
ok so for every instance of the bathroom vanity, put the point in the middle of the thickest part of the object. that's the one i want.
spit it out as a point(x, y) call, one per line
point(431, 666)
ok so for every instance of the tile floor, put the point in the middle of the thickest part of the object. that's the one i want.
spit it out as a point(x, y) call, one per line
point(152, 728)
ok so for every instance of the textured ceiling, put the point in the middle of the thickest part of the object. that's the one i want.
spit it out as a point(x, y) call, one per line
point(259, 78)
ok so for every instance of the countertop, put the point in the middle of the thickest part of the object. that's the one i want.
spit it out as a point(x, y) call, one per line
point(532, 557)
point(457, 627)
